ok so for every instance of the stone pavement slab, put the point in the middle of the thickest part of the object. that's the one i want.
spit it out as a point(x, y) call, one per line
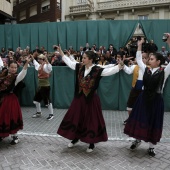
point(51, 153)
point(40, 148)
point(114, 123)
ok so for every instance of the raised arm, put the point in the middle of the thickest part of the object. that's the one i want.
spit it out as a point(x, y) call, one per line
point(106, 66)
point(139, 56)
point(1, 63)
point(71, 57)
point(36, 64)
point(47, 67)
point(167, 68)
point(23, 73)
point(129, 70)
point(112, 70)
point(67, 60)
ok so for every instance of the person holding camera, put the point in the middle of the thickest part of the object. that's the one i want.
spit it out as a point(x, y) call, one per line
point(164, 52)
point(44, 69)
point(152, 47)
point(146, 119)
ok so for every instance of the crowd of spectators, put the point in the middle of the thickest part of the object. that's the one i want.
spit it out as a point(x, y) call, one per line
point(104, 55)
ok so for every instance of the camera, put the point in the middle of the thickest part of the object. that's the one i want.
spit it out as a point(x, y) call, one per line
point(55, 48)
point(65, 51)
point(164, 38)
point(138, 38)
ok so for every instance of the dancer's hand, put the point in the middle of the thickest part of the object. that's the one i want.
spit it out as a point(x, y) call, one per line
point(168, 39)
point(140, 42)
point(60, 50)
point(121, 65)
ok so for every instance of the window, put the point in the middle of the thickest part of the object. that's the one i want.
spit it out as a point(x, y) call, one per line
point(58, 5)
point(22, 15)
point(45, 6)
point(143, 17)
point(33, 10)
point(81, 1)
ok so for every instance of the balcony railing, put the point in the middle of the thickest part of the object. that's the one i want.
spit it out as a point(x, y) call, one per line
point(80, 9)
point(130, 3)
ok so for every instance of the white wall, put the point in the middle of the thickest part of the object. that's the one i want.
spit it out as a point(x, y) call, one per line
point(6, 7)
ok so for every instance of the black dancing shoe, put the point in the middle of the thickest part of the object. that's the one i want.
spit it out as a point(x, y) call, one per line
point(151, 152)
point(15, 140)
point(37, 115)
point(90, 148)
point(1, 138)
point(124, 123)
point(50, 117)
point(135, 144)
point(72, 143)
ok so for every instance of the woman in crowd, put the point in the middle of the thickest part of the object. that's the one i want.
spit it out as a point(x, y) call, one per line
point(10, 112)
point(146, 119)
point(84, 120)
point(103, 60)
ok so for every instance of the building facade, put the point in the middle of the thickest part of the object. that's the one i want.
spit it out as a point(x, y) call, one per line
point(115, 9)
point(6, 8)
point(30, 11)
point(75, 10)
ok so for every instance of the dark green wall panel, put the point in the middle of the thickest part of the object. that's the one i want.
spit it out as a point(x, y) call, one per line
point(113, 90)
point(2, 35)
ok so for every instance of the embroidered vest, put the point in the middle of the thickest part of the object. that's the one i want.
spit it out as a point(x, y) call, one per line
point(43, 77)
point(153, 82)
point(7, 84)
point(41, 73)
point(88, 84)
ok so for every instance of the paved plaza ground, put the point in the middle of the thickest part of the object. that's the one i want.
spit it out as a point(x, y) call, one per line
point(40, 148)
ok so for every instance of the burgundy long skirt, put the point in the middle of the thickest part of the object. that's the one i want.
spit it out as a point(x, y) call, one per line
point(10, 115)
point(84, 120)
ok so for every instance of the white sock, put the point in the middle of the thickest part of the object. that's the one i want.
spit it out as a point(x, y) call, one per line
point(38, 106)
point(50, 107)
point(151, 145)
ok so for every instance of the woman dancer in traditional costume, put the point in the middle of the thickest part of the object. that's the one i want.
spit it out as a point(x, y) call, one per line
point(84, 120)
point(10, 112)
point(146, 119)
